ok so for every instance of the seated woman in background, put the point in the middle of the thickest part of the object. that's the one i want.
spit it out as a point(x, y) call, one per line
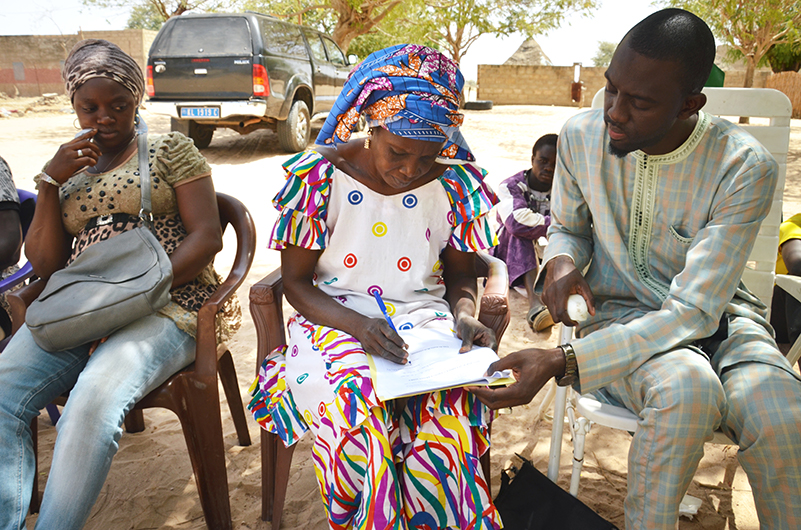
point(524, 214)
point(401, 214)
point(88, 192)
point(10, 239)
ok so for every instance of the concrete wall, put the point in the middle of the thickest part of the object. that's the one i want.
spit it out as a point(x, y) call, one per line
point(535, 85)
point(30, 65)
point(736, 78)
point(550, 85)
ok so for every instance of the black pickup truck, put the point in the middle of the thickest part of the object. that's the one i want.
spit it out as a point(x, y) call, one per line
point(243, 71)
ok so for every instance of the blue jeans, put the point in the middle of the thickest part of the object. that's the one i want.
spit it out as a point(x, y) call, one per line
point(104, 387)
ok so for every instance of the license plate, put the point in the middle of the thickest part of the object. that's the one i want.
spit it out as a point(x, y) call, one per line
point(200, 112)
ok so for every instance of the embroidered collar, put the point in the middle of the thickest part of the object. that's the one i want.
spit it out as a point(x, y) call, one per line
point(685, 149)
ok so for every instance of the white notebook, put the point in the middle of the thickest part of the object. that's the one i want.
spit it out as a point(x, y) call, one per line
point(434, 364)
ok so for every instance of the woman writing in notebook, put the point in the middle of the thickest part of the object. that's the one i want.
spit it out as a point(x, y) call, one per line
point(399, 214)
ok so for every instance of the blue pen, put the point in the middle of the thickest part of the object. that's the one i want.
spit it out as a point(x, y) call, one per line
point(383, 309)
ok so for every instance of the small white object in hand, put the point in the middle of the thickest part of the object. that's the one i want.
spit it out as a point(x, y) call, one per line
point(577, 308)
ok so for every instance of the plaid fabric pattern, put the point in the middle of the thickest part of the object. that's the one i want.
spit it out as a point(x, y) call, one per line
point(665, 240)
point(681, 400)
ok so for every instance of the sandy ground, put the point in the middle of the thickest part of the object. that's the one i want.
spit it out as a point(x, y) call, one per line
point(151, 484)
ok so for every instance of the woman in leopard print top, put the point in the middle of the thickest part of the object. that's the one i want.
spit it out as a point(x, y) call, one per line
point(89, 192)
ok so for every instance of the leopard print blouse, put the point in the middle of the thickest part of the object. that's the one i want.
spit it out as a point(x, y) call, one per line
point(98, 207)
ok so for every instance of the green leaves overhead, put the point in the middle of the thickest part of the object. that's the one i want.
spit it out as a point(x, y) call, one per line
point(751, 28)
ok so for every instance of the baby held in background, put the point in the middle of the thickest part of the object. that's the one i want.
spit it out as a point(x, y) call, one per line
point(524, 214)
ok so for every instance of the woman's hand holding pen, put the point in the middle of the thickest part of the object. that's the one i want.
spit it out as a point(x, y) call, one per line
point(378, 338)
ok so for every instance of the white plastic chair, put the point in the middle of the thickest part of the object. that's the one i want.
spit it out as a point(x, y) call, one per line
point(792, 286)
point(584, 410)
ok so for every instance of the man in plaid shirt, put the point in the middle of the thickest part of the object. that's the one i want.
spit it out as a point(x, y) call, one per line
point(661, 204)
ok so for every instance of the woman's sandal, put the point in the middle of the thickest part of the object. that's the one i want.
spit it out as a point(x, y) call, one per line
point(539, 319)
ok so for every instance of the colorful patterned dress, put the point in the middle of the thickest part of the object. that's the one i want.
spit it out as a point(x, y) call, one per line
point(379, 464)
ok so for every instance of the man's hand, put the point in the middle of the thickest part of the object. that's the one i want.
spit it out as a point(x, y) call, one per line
point(532, 368)
point(471, 331)
point(562, 279)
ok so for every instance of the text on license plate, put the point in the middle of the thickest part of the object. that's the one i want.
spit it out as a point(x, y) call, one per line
point(200, 112)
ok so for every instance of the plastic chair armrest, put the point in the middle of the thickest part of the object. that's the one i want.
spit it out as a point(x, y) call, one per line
point(25, 272)
point(790, 284)
point(266, 309)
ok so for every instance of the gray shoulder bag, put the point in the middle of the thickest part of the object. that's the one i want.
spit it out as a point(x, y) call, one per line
point(109, 285)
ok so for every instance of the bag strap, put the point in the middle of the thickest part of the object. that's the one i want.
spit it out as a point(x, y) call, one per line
point(146, 209)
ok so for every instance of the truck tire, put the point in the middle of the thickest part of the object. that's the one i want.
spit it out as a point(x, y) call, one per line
point(294, 132)
point(482, 104)
point(200, 133)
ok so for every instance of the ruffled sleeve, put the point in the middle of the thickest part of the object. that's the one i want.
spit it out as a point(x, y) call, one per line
point(177, 160)
point(471, 201)
point(303, 203)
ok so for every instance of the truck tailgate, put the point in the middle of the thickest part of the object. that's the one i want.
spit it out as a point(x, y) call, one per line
point(207, 59)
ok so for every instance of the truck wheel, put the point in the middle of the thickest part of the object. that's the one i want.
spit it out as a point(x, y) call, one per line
point(201, 134)
point(482, 104)
point(294, 132)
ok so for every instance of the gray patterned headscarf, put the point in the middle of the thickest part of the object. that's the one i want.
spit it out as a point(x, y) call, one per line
point(92, 58)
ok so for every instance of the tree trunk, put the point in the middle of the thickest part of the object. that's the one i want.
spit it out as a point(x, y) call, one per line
point(750, 66)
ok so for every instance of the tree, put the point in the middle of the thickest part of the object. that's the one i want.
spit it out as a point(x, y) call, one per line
point(452, 25)
point(402, 25)
point(145, 16)
point(785, 57)
point(456, 24)
point(164, 9)
point(604, 54)
point(752, 28)
point(351, 18)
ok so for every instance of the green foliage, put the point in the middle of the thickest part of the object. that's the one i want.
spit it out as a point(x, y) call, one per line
point(450, 25)
point(456, 24)
point(785, 57)
point(318, 15)
point(407, 24)
point(145, 16)
point(750, 27)
point(163, 8)
point(604, 54)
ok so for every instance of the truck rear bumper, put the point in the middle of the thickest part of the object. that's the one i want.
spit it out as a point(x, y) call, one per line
point(228, 109)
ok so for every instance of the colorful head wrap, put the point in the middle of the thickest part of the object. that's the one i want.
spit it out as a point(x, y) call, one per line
point(408, 89)
point(92, 58)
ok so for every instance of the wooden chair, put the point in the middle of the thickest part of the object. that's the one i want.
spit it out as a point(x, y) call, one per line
point(266, 308)
point(192, 392)
point(584, 410)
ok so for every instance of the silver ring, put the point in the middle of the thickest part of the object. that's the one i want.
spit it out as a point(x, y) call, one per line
point(80, 153)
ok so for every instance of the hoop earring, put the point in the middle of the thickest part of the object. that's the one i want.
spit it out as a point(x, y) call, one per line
point(369, 137)
point(75, 124)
